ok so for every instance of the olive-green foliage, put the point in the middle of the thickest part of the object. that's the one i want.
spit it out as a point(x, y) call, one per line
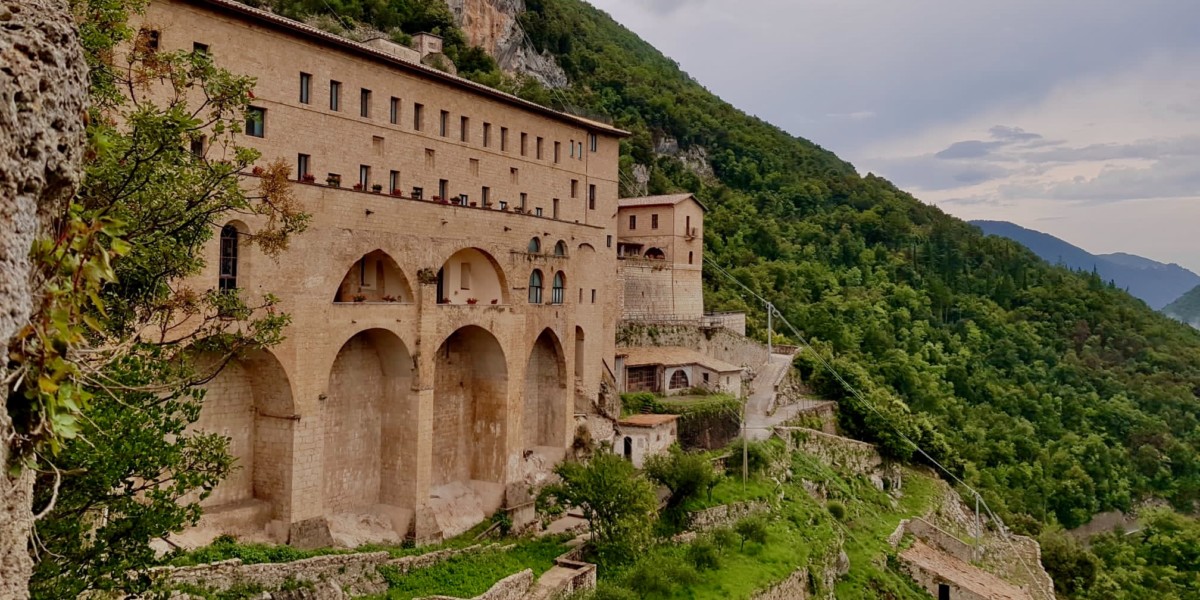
point(759, 456)
point(658, 579)
point(617, 501)
point(468, 575)
point(612, 591)
point(751, 529)
point(836, 509)
point(686, 474)
point(704, 555)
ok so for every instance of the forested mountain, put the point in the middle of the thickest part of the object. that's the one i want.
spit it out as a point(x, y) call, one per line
point(1056, 393)
point(1157, 283)
point(1186, 308)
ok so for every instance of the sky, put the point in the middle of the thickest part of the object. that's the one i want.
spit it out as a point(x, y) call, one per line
point(1079, 118)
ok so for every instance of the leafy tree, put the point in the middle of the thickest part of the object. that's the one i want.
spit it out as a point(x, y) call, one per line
point(751, 529)
point(110, 355)
point(686, 474)
point(616, 500)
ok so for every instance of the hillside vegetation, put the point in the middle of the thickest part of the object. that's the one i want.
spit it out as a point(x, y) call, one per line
point(1186, 308)
point(1053, 392)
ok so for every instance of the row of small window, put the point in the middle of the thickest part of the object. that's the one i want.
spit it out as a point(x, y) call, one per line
point(304, 162)
point(687, 226)
point(535, 247)
point(557, 289)
point(464, 127)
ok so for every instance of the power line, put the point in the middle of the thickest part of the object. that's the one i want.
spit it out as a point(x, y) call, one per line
point(859, 396)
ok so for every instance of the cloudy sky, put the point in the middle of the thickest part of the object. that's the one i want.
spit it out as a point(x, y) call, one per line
point(1080, 118)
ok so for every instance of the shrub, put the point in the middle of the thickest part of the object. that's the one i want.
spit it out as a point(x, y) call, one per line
point(704, 555)
point(724, 537)
point(685, 474)
point(612, 591)
point(660, 578)
point(751, 529)
point(836, 509)
point(759, 456)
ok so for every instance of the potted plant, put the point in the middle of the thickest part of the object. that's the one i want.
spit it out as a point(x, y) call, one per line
point(444, 301)
point(495, 300)
point(257, 170)
point(358, 187)
point(334, 180)
point(390, 299)
point(359, 298)
point(397, 193)
point(378, 187)
point(309, 178)
point(474, 204)
point(442, 200)
point(472, 300)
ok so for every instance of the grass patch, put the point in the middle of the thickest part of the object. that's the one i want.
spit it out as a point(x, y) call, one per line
point(472, 574)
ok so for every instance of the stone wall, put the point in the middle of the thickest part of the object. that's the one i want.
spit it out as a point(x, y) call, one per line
point(843, 453)
point(725, 514)
point(795, 587)
point(513, 587)
point(720, 344)
point(941, 539)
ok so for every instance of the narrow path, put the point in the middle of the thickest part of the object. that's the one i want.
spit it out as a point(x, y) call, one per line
point(760, 416)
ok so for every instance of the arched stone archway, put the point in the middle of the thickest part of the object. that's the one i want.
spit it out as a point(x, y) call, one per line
point(470, 398)
point(369, 417)
point(471, 273)
point(250, 402)
point(656, 254)
point(375, 277)
point(545, 398)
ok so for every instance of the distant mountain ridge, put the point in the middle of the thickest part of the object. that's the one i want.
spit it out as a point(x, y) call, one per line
point(1186, 308)
point(1156, 283)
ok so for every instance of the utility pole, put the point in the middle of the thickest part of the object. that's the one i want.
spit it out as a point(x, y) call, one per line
point(978, 530)
point(770, 331)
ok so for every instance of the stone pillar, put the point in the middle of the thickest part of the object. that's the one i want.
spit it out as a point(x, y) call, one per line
point(425, 526)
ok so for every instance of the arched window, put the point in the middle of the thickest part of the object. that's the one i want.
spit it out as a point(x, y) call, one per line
point(535, 287)
point(655, 254)
point(535, 246)
point(556, 293)
point(560, 249)
point(227, 279)
point(679, 380)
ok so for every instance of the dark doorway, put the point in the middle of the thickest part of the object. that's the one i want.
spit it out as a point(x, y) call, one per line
point(628, 448)
point(943, 592)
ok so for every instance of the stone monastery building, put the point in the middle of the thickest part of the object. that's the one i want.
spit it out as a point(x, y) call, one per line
point(454, 300)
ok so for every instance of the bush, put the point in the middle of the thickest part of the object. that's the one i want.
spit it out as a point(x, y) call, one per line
point(836, 509)
point(724, 538)
point(612, 591)
point(651, 578)
point(704, 555)
point(759, 456)
point(751, 529)
point(685, 474)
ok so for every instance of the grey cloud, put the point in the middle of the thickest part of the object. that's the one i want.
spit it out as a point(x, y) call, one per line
point(929, 172)
point(1175, 177)
point(1144, 149)
point(1013, 134)
point(969, 149)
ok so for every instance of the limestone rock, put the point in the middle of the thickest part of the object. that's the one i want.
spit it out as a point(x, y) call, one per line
point(493, 26)
point(43, 90)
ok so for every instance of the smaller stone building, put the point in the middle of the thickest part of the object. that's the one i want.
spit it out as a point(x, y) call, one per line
point(670, 370)
point(640, 436)
point(660, 243)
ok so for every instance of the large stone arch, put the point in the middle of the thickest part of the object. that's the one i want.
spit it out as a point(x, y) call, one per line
point(249, 401)
point(375, 277)
point(370, 428)
point(545, 399)
point(472, 273)
point(470, 398)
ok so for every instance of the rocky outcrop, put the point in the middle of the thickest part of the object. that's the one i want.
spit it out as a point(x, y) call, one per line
point(693, 158)
point(43, 91)
point(493, 26)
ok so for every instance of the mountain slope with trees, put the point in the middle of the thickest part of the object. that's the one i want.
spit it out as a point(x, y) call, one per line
point(1156, 283)
point(1186, 308)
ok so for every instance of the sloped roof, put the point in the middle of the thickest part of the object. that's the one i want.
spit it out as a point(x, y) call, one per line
point(664, 200)
point(673, 356)
point(264, 17)
point(646, 420)
point(964, 575)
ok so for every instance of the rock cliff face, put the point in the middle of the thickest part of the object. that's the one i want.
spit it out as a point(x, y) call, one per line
point(492, 25)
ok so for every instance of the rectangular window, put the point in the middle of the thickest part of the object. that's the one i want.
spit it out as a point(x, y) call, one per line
point(301, 167)
point(335, 96)
point(394, 111)
point(418, 193)
point(444, 189)
point(199, 48)
point(572, 143)
point(633, 221)
point(256, 120)
point(592, 141)
point(504, 139)
point(524, 200)
point(539, 148)
point(305, 88)
point(580, 155)
point(538, 211)
point(393, 182)
point(464, 276)
point(593, 296)
point(485, 195)
point(514, 175)
point(592, 196)
point(574, 188)
point(148, 40)
point(430, 159)
point(524, 143)
point(654, 221)
point(608, 241)
point(554, 211)
point(444, 124)
point(197, 146)
point(557, 151)
point(418, 116)
point(364, 176)
point(487, 135)
point(464, 129)
point(364, 103)
point(473, 166)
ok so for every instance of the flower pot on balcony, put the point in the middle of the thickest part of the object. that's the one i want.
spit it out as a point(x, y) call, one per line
point(377, 188)
point(310, 178)
point(358, 187)
point(472, 301)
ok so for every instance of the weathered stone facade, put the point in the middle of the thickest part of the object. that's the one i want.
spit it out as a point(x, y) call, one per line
point(436, 348)
point(661, 250)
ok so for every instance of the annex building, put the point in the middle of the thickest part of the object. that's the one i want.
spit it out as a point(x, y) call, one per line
point(454, 300)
